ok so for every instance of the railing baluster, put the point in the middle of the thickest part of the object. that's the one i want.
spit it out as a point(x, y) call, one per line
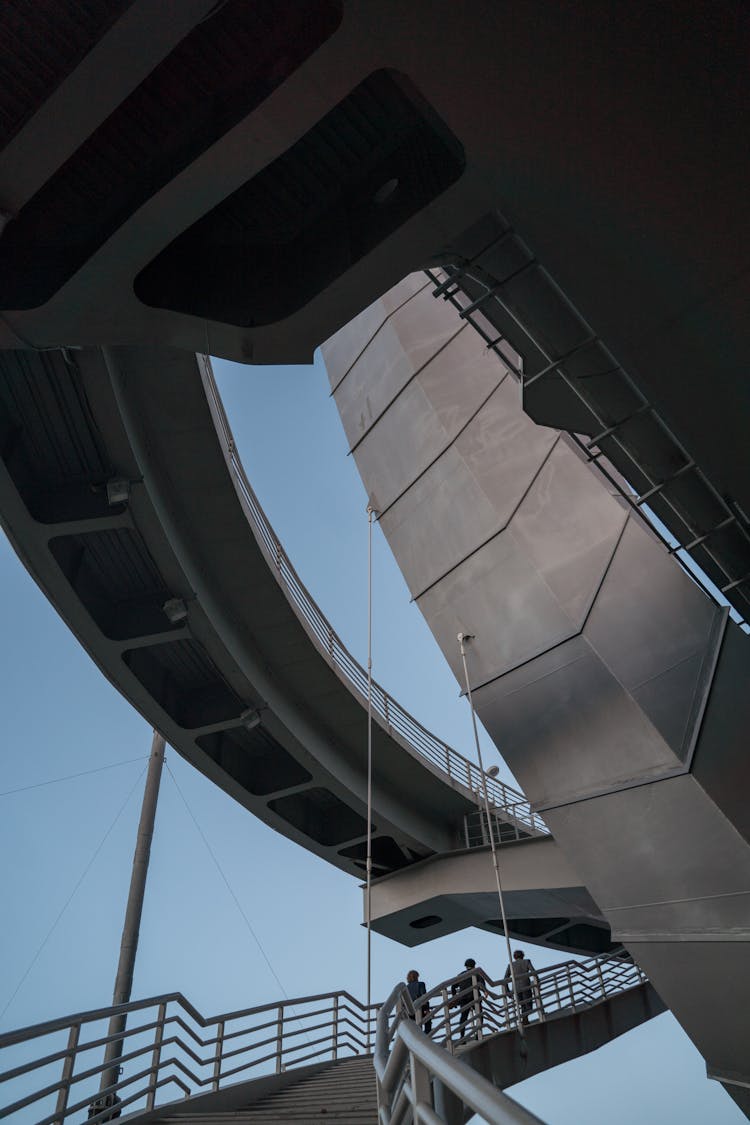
point(217, 1055)
point(67, 1073)
point(335, 1052)
point(447, 1015)
point(570, 988)
point(601, 979)
point(477, 1005)
point(279, 1036)
point(421, 1087)
point(153, 1077)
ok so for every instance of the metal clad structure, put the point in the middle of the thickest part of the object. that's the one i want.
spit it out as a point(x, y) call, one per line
point(613, 686)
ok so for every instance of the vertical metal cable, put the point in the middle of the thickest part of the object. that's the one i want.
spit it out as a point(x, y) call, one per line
point(368, 893)
point(462, 638)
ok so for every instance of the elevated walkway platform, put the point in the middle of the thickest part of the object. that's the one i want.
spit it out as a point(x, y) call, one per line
point(545, 901)
point(122, 491)
point(311, 1058)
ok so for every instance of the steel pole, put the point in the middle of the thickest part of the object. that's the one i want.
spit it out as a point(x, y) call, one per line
point(133, 910)
point(368, 867)
point(462, 638)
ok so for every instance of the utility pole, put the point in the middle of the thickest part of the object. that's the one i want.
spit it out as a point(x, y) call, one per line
point(132, 924)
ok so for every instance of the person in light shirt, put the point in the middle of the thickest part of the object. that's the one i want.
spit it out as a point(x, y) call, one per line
point(520, 971)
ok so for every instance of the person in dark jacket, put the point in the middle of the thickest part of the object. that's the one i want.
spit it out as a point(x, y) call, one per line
point(417, 988)
point(468, 989)
point(520, 971)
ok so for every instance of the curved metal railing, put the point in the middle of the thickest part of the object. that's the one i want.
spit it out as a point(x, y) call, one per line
point(413, 1046)
point(410, 733)
point(406, 1062)
point(51, 1072)
point(488, 1007)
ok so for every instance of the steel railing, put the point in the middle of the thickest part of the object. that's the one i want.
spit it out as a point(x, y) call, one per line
point(448, 283)
point(488, 1007)
point(407, 1062)
point(51, 1072)
point(477, 833)
point(407, 1058)
point(408, 731)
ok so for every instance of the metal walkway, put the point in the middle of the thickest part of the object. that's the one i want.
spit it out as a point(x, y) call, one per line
point(119, 475)
point(291, 1060)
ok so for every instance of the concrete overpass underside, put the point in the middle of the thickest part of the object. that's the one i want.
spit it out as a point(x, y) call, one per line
point(586, 166)
point(123, 494)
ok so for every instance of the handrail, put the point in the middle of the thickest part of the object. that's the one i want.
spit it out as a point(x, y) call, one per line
point(169, 1043)
point(406, 1069)
point(486, 1006)
point(416, 1044)
point(504, 829)
point(448, 285)
point(408, 731)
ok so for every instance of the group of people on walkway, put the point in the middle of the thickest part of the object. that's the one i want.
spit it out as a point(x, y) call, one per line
point(468, 988)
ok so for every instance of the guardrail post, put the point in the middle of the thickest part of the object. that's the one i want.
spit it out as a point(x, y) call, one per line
point(477, 1004)
point(539, 1002)
point(601, 979)
point(279, 1036)
point(447, 1015)
point(218, 1052)
point(335, 1052)
point(153, 1077)
point(67, 1074)
point(386, 697)
point(570, 988)
point(421, 1087)
point(506, 1005)
point(447, 761)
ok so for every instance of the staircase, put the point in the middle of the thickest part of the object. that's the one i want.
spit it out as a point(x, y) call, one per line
point(309, 1059)
point(343, 1092)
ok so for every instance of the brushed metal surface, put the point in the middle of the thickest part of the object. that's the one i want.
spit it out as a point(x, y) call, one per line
point(604, 674)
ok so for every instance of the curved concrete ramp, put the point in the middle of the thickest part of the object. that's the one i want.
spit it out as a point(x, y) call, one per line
point(122, 492)
point(614, 687)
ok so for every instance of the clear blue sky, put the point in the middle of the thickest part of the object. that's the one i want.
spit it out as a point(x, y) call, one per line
point(61, 716)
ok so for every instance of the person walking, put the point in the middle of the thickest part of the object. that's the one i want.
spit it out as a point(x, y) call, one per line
point(417, 988)
point(519, 972)
point(467, 989)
